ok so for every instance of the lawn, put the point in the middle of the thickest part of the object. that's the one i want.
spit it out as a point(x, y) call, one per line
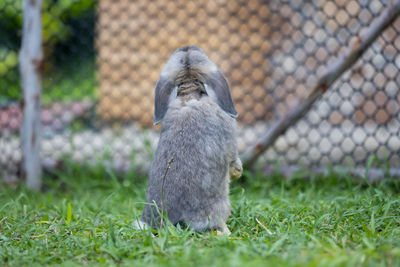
point(85, 216)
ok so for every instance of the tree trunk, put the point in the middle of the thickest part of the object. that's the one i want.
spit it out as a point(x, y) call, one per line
point(30, 62)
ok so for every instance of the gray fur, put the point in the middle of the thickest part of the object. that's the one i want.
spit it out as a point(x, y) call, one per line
point(200, 137)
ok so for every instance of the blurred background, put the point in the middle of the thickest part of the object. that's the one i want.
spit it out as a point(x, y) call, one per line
point(103, 58)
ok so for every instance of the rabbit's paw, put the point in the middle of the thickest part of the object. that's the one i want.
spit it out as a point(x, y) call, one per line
point(224, 231)
point(236, 169)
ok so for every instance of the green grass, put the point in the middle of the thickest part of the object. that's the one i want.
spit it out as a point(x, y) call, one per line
point(85, 215)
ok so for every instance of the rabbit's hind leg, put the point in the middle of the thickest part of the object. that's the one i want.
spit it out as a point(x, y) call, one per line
point(208, 225)
point(220, 230)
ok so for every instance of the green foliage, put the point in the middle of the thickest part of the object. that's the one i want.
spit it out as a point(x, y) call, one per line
point(61, 21)
point(70, 82)
point(54, 15)
point(85, 216)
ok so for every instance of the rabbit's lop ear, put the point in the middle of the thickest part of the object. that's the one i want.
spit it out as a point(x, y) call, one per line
point(218, 89)
point(165, 92)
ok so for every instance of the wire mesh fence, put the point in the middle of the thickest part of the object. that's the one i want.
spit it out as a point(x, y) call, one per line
point(103, 58)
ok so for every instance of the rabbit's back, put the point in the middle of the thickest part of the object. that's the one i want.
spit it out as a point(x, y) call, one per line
point(197, 143)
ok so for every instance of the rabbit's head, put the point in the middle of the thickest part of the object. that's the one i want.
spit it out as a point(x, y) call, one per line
point(190, 64)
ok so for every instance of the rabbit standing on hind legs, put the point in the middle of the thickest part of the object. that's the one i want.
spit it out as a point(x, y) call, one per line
point(197, 152)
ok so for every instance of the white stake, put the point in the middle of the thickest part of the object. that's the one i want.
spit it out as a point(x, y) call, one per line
point(30, 62)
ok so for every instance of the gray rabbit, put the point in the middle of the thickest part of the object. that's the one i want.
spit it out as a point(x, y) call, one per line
point(197, 152)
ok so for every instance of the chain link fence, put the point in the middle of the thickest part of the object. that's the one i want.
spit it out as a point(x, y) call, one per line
point(103, 58)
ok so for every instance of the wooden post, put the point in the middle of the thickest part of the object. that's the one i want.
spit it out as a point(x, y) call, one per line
point(332, 73)
point(30, 62)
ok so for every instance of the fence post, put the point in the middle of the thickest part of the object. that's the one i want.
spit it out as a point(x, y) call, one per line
point(30, 62)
